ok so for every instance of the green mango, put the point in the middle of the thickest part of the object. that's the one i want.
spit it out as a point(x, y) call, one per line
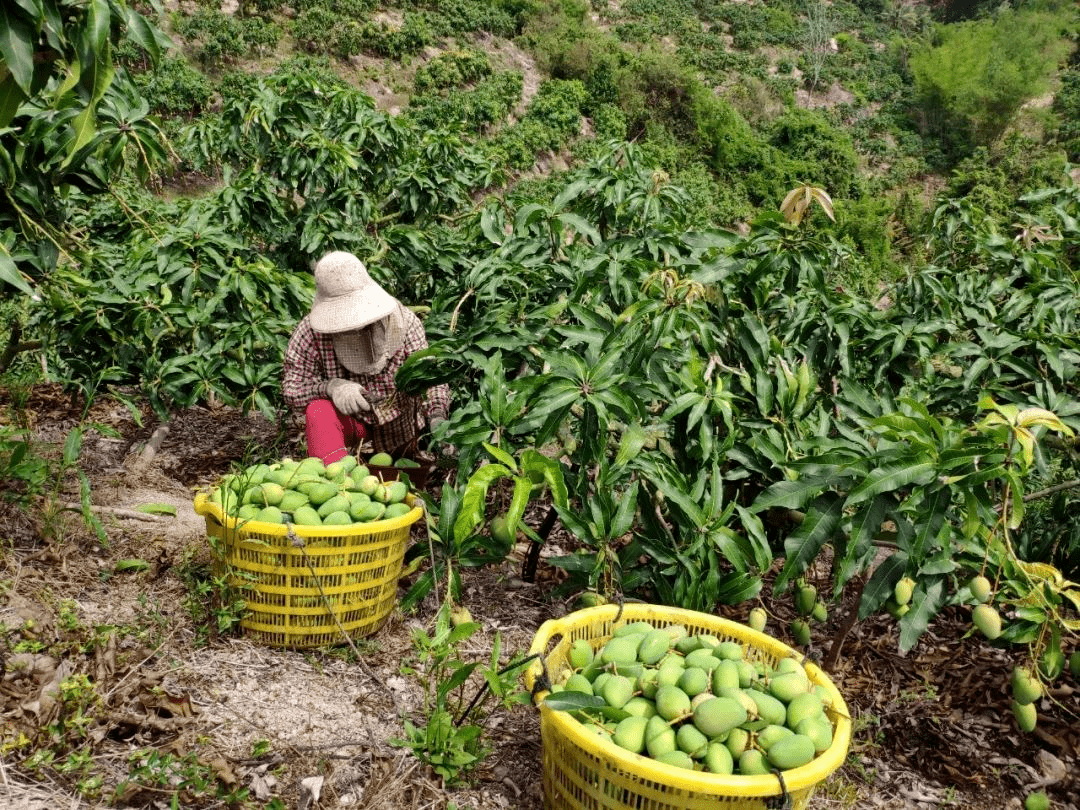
point(306, 516)
point(819, 729)
point(630, 734)
point(747, 673)
point(653, 647)
point(632, 629)
point(980, 588)
point(719, 715)
point(738, 739)
point(786, 686)
point(728, 651)
point(337, 518)
point(381, 460)
point(617, 691)
point(691, 741)
point(578, 683)
point(396, 510)
point(580, 654)
point(269, 514)
point(802, 707)
point(702, 658)
point(800, 631)
point(725, 676)
point(1027, 716)
point(1026, 688)
point(791, 752)
point(338, 503)
point(753, 763)
point(805, 598)
point(694, 681)
point(769, 708)
point(319, 494)
point(676, 758)
point(718, 759)
point(369, 512)
point(659, 737)
point(621, 649)
point(292, 500)
point(769, 735)
point(672, 702)
point(987, 620)
point(396, 492)
point(758, 619)
point(640, 706)
point(903, 590)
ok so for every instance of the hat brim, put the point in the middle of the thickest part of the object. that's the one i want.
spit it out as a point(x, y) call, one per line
point(355, 310)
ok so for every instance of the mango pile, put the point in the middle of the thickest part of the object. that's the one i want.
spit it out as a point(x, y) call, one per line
point(309, 493)
point(694, 701)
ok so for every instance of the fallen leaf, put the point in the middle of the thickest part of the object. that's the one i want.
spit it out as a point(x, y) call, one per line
point(157, 508)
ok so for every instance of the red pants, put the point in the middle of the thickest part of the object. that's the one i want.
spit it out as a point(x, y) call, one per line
point(331, 434)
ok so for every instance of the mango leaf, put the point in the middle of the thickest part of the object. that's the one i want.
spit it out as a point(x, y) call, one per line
point(501, 455)
point(10, 273)
point(880, 586)
point(11, 96)
point(17, 47)
point(790, 494)
point(131, 565)
point(569, 701)
point(858, 548)
point(518, 502)
point(633, 439)
point(143, 34)
point(802, 546)
point(157, 508)
point(925, 605)
point(474, 501)
point(735, 588)
point(890, 478)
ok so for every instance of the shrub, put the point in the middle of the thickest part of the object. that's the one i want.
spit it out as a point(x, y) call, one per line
point(174, 88)
point(974, 78)
point(819, 153)
point(452, 69)
point(215, 38)
point(1067, 107)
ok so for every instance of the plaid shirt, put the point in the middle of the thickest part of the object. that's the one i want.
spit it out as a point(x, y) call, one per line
point(310, 363)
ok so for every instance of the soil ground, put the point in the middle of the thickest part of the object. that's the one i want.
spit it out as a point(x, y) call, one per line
point(313, 728)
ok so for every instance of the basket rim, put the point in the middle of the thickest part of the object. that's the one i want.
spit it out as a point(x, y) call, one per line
point(203, 506)
point(795, 779)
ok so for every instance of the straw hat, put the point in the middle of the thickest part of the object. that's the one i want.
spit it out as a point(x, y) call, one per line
point(346, 297)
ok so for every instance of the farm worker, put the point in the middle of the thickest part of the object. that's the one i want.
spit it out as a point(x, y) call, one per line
point(341, 360)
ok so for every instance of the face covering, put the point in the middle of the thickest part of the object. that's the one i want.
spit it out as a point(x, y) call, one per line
point(368, 350)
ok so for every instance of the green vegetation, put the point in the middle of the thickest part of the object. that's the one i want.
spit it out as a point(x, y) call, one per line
point(687, 284)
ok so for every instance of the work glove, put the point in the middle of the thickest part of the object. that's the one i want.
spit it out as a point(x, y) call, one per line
point(347, 396)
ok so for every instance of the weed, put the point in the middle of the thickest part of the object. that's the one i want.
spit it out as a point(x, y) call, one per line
point(212, 601)
point(446, 742)
point(190, 781)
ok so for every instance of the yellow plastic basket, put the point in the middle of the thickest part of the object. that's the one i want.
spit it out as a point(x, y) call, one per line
point(357, 568)
point(584, 772)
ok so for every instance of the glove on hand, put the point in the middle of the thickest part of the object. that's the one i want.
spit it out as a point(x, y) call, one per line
point(347, 396)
